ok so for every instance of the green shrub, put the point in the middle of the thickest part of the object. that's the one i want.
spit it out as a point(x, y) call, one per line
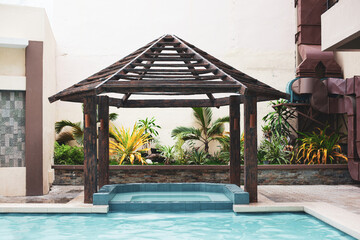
point(275, 151)
point(67, 155)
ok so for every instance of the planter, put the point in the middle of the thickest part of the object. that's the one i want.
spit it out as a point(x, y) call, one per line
point(267, 174)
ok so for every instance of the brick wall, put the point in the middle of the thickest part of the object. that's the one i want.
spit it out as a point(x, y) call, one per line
point(267, 175)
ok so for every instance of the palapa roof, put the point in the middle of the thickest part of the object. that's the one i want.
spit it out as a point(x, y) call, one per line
point(168, 66)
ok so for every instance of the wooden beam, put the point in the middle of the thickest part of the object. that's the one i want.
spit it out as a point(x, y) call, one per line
point(170, 65)
point(90, 151)
point(169, 103)
point(235, 169)
point(103, 111)
point(193, 89)
point(250, 147)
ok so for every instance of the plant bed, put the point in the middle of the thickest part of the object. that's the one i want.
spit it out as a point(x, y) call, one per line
point(267, 174)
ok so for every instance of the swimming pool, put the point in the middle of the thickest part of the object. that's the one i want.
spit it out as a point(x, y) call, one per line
point(194, 225)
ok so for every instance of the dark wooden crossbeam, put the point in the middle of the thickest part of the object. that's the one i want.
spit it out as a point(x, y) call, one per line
point(171, 48)
point(166, 103)
point(170, 65)
point(195, 71)
point(167, 59)
point(169, 54)
point(168, 78)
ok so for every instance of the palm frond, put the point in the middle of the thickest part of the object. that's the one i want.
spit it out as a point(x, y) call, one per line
point(66, 123)
point(64, 137)
point(217, 128)
point(113, 116)
point(203, 116)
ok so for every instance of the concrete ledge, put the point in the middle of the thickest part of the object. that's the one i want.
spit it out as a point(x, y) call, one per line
point(13, 83)
point(13, 42)
point(51, 208)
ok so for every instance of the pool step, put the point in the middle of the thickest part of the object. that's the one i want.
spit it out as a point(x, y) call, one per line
point(116, 206)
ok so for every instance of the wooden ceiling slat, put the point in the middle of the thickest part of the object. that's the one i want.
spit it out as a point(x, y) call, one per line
point(168, 77)
point(198, 71)
point(170, 65)
point(170, 48)
point(170, 59)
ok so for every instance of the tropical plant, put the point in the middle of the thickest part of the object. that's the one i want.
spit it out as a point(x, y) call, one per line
point(168, 153)
point(319, 148)
point(127, 144)
point(275, 150)
point(68, 155)
point(277, 122)
point(76, 131)
point(224, 153)
point(207, 131)
point(149, 126)
point(197, 157)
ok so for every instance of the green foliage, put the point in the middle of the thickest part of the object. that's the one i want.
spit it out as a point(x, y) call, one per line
point(197, 157)
point(67, 155)
point(206, 132)
point(275, 150)
point(320, 148)
point(277, 121)
point(168, 152)
point(127, 144)
point(76, 132)
point(149, 126)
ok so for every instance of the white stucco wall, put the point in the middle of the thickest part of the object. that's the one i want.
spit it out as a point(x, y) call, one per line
point(31, 24)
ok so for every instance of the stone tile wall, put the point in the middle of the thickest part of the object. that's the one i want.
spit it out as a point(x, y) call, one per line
point(12, 129)
point(310, 176)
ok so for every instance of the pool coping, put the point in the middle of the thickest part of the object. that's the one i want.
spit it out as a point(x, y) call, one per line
point(339, 218)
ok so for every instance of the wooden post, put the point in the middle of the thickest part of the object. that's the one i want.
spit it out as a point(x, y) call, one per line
point(103, 111)
point(250, 147)
point(235, 170)
point(90, 150)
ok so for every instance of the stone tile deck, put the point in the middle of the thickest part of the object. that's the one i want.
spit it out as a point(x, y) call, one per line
point(342, 196)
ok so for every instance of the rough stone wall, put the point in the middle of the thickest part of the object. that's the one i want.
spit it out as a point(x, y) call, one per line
point(265, 176)
point(12, 129)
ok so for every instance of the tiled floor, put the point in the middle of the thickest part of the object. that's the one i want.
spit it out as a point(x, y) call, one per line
point(343, 196)
point(57, 194)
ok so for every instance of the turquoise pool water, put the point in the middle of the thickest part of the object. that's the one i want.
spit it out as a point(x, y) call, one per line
point(198, 225)
point(170, 196)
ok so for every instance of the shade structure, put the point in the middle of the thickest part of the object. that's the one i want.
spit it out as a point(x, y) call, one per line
point(168, 67)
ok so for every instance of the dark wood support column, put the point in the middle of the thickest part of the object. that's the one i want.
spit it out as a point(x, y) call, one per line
point(90, 150)
point(103, 111)
point(250, 147)
point(235, 169)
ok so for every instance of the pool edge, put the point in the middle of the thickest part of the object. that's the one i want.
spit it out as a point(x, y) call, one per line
point(336, 217)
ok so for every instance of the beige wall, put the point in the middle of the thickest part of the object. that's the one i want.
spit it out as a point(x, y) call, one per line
point(49, 110)
point(349, 62)
point(12, 61)
point(12, 181)
point(340, 24)
point(31, 24)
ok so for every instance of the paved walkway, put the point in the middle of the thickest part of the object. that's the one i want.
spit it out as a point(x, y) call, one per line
point(343, 196)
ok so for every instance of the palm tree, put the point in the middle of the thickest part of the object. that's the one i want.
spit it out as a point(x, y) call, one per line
point(207, 131)
point(77, 130)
